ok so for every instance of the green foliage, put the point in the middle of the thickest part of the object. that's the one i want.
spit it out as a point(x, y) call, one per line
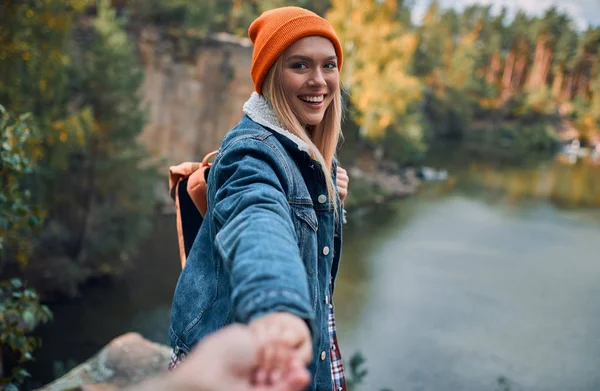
point(17, 217)
point(201, 18)
point(98, 222)
point(79, 76)
point(33, 40)
point(20, 308)
point(20, 313)
point(403, 143)
point(447, 112)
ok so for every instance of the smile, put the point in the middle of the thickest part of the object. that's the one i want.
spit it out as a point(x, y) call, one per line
point(314, 99)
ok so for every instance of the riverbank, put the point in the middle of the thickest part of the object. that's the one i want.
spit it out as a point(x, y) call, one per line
point(372, 188)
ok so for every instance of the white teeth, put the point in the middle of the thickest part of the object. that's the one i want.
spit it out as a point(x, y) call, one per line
point(313, 99)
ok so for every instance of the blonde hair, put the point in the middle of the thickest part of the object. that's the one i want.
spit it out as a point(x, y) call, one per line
point(325, 136)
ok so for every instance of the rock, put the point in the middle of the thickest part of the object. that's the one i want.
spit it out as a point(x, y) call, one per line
point(126, 360)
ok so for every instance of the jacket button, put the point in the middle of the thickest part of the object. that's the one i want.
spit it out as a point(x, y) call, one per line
point(322, 355)
point(326, 299)
point(325, 250)
point(322, 198)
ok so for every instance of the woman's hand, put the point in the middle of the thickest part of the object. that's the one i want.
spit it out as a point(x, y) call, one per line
point(284, 338)
point(342, 183)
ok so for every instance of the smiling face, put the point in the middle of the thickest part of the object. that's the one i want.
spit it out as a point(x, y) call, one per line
point(310, 77)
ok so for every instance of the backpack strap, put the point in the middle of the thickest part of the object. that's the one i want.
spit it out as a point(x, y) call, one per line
point(187, 187)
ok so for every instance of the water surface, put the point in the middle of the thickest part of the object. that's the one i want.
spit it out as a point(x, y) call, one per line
point(460, 291)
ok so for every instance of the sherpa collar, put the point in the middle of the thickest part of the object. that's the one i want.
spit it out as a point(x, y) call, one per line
point(261, 112)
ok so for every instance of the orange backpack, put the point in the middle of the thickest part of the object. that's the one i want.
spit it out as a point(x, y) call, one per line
point(187, 187)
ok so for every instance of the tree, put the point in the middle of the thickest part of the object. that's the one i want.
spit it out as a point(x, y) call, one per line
point(377, 76)
point(95, 226)
point(433, 36)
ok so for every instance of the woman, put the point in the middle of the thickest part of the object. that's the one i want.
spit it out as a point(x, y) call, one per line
point(268, 251)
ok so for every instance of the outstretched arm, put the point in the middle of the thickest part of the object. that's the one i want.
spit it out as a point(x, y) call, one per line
point(257, 240)
point(255, 232)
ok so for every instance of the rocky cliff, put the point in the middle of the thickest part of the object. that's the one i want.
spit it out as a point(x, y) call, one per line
point(194, 90)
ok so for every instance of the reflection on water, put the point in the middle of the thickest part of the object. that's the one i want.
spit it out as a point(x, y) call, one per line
point(567, 185)
point(483, 277)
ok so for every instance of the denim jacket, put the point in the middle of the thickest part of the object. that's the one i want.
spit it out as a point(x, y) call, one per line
point(270, 240)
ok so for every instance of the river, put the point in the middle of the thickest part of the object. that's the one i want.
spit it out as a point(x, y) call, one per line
point(492, 275)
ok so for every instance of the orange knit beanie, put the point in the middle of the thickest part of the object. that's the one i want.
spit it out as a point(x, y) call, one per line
point(275, 30)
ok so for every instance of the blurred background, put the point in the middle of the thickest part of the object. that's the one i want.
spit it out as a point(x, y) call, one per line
point(471, 254)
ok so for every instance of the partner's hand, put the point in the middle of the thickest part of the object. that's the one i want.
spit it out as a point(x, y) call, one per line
point(229, 359)
point(342, 183)
point(283, 338)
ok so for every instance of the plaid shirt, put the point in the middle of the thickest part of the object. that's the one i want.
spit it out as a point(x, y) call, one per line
point(337, 367)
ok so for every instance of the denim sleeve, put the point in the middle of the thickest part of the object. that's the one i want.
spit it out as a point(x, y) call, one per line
point(255, 233)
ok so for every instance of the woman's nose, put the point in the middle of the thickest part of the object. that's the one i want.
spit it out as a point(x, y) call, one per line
point(316, 79)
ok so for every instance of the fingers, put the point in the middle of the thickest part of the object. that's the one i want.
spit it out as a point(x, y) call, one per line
point(343, 194)
point(296, 379)
point(342, 183)
point(283, 338)
point(342, 177)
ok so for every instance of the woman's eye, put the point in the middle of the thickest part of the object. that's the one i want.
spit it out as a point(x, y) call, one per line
point(299, 65)
point(331, 65)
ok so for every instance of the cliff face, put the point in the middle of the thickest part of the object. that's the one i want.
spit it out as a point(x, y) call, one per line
point(192, 100)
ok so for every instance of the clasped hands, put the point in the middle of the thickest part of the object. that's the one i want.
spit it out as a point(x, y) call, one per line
point(270, 354)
